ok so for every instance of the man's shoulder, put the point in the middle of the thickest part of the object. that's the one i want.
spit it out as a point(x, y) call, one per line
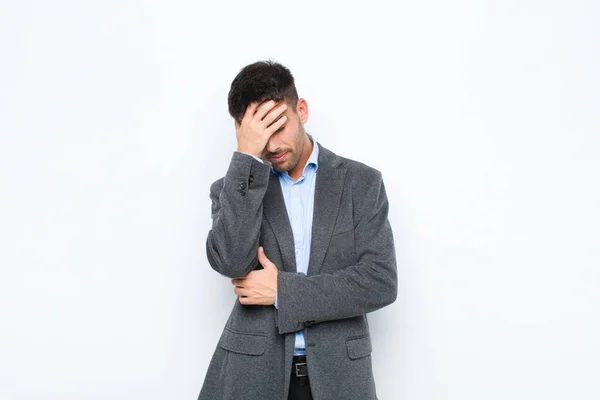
point(356, 171)
point(359, 167)
point(364, 183)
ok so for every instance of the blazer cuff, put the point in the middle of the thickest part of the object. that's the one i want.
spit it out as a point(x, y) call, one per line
point(253, 156)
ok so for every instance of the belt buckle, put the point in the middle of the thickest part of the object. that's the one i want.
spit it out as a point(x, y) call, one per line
point(298, 373)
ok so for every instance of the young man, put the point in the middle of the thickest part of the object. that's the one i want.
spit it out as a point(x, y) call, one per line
point(304, 235)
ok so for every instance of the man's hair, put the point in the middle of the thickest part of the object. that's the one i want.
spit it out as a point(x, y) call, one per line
point(261, 81)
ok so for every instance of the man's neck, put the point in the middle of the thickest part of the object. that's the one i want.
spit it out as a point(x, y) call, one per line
point(296, 172)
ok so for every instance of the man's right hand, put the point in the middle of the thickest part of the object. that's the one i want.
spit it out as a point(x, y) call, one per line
point(258, 124)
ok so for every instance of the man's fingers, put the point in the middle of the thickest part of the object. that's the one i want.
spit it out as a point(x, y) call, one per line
point(238, 281)
point(263, 109)
point(269, 111)
point(274, 114)
point(276, 125)
point(262, 258)
point(241, 291)
point(260, 121)
point(245, 300)
point(250, 110)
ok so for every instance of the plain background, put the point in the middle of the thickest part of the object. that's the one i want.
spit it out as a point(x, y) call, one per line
point(481, 115)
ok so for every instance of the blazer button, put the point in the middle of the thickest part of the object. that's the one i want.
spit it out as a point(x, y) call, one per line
point(242, 185)
point(251, 178)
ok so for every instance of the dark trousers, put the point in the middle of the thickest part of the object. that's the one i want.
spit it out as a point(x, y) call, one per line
point(299, 385)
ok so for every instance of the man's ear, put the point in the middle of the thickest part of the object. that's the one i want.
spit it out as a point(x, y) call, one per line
point(302, 110)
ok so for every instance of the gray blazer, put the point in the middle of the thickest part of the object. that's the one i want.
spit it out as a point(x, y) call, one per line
point(352, 271)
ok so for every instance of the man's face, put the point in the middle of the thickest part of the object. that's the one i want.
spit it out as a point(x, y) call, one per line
point(286, 146)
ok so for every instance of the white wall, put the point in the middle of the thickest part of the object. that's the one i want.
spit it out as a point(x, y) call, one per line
point(482, 116)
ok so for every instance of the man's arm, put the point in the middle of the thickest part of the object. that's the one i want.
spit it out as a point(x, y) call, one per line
point(368, 285)
point(232, 242)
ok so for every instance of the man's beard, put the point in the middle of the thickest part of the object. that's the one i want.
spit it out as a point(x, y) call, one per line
point(290, 163)
point(293, 157)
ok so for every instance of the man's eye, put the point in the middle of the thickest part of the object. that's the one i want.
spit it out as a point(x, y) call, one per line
point(280, 129)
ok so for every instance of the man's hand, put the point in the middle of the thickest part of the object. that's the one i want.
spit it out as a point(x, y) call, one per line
point(260, 286)
point(260, 121)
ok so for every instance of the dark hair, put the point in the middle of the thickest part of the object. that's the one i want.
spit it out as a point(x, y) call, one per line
point(261, 81)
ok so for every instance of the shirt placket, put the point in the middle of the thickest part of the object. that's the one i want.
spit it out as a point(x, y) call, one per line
point(297, 224)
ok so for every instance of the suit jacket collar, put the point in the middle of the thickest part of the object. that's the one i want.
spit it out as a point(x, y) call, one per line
point(328, 193)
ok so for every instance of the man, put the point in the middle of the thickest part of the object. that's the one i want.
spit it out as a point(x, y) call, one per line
point(304, 235)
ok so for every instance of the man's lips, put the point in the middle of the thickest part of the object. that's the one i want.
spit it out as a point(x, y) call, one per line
point(279, 158)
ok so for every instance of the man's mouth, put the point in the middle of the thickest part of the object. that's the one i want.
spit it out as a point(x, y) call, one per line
point(279, 158)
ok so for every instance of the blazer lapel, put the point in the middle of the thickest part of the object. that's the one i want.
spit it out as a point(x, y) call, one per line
point(328, 193)
point(276, 214)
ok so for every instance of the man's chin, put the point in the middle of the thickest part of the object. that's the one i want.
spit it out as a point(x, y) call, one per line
point(283, 166)
point(280, 167)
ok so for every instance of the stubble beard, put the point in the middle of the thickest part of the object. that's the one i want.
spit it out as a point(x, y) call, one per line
point(291, 162)
point(294, 157)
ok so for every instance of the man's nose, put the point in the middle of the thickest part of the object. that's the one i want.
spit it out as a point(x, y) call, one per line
point(273, 144)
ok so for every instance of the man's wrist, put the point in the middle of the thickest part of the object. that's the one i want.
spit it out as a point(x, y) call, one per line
point(250, 151)
point(252, 155)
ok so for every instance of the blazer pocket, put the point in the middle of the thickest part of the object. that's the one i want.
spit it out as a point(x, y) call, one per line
point(359, 346)
point(249, 343)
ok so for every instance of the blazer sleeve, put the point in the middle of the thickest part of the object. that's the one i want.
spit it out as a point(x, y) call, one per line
point(368, 285)
point(232, 242)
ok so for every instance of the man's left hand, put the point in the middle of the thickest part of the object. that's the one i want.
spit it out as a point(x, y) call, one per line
point(259, 287)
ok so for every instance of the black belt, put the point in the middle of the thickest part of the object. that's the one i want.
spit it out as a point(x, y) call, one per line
point(299, 368)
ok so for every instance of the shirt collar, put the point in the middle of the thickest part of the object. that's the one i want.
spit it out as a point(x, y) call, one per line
point(314, 156)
